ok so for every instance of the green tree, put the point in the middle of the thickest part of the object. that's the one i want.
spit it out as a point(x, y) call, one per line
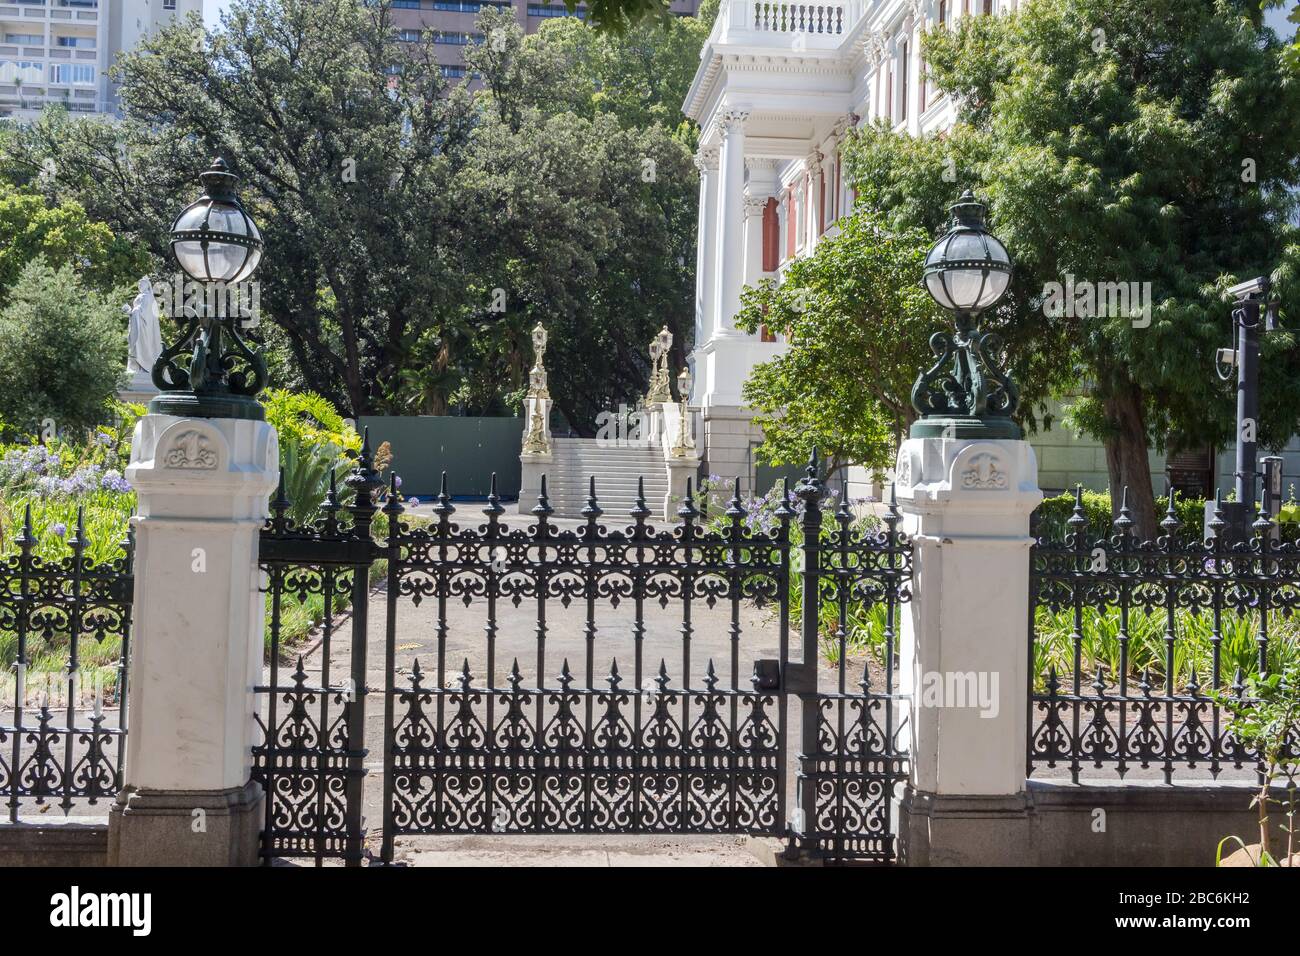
point(62, 234)
point(346, 145)
point(1140, 141)
point(854, 304)
point(62, 349)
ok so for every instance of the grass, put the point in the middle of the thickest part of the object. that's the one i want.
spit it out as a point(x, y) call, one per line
point(1193, 645)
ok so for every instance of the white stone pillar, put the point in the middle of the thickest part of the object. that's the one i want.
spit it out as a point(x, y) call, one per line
point(535, 461)
point(706, 161)
point(963, 653)
point(731, 222)
point(202, 488)
point(754, 206)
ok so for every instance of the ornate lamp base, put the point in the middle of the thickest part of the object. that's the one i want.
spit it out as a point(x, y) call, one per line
point(219, 405)
point(964, 427)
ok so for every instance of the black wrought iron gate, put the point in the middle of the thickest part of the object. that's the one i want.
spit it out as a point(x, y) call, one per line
point(645, 703)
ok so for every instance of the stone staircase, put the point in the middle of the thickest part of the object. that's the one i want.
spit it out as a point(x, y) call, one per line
point(616, 471)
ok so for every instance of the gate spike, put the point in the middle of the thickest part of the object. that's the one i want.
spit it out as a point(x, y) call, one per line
point(1170, 521)
point(393, 506)
point(465, 676)
point(687, 511)
point(79, 541)
point(543, 508)
point(281, 503)
point(639, 510)
point(566, 677)
point(710, 676)
point(591, 510)
point(785, 509)
point(415, 672)
point(493, 499)
point(443, 507)
point(515, 676)
point(1125, 520)
point(613, 679)
point(734, 507)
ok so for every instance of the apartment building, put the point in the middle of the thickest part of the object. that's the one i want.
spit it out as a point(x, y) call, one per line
point(449, 24)
point(59, 51)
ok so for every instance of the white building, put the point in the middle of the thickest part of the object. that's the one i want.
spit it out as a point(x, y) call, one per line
point(778, 85)
point(59, 51)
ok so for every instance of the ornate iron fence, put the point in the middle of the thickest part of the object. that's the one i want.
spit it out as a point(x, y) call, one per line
point(64, 620)
point(1168, 630)
point(654, 748)
point(310, 759)
point(852, 755)
point(672, 748)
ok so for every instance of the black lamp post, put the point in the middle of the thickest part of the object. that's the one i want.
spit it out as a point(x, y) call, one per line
point(965, 394)
point(217, 244)
point(1238, 516)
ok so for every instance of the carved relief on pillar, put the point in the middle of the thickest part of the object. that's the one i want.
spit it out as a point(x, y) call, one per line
point(706, 159)
point(732, 121)
point(754, 206)
point(873, 46)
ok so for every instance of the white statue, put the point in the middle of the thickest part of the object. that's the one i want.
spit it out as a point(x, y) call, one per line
point(143, 343)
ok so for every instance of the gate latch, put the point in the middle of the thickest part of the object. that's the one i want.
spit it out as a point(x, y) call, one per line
point(767, 674)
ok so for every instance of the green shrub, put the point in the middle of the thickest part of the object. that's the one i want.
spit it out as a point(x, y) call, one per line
point(61, 350)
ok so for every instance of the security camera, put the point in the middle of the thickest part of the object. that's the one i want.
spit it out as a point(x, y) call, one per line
point(1251, 289)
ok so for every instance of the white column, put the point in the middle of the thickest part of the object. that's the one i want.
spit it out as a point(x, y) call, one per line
point(754, 206)
point(731, 221)
point(962, 654)
point(812, 166)
point(202, 488)
point(706, 161)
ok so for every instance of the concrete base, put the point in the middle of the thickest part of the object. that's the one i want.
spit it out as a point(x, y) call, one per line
point(71, 841)
point(772, 851)
point(531, 470)
point(726, 447)
point(1139, 823)
point(186, 827)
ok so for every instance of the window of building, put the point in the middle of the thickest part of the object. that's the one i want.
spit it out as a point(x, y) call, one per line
point(889, 93)
point(546, 10)
point(169, 4)
point(25, 39)
point(988, 6)
point(453, 38)
point(26, 71)
point(73, 74)
point(771, 237)
point(409, 36)
point(903, 77)
point(943, 12)
point(452, 72)
point(82, 43)
point(407, 4)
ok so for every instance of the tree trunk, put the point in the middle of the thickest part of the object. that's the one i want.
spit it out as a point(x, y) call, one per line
point(1127, 461)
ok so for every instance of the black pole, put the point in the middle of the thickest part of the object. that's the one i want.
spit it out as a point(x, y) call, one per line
point(1247, 317)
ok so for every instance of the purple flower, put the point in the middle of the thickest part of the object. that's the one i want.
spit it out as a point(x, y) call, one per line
point(397, 481)
point(413, 502)
point(58, 529)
